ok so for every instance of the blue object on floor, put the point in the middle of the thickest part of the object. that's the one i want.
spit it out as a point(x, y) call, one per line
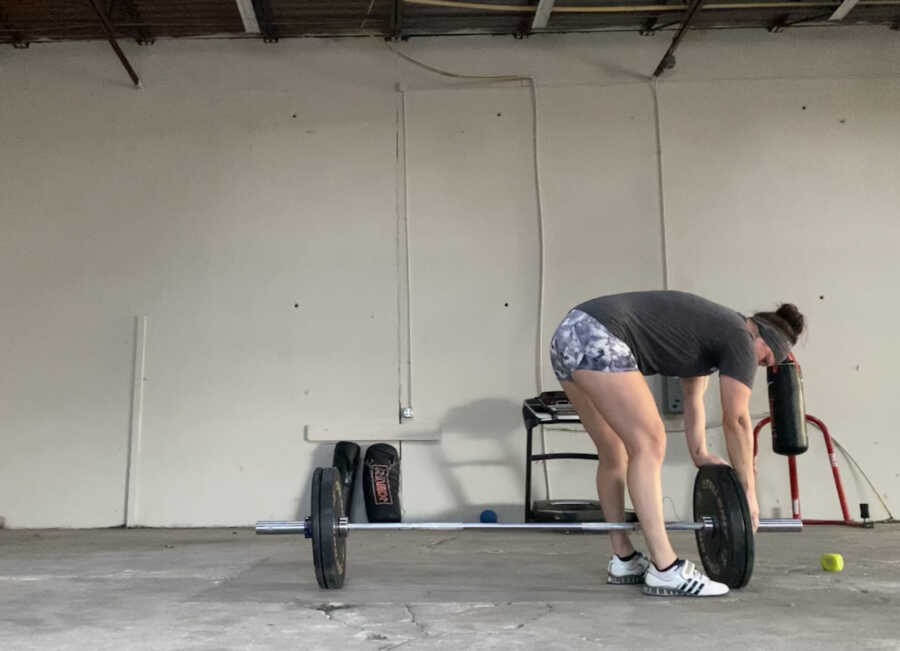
point(488, 516)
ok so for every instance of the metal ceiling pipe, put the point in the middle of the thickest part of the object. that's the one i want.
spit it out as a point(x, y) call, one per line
point(396, 27)
point(111, 37)
point(542, 14)
point(846, 7)
point(265, 18)
point(248, 16)
point(668, 60)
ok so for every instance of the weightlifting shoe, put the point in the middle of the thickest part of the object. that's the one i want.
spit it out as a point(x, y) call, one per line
point(682, 580)
point(627, 572)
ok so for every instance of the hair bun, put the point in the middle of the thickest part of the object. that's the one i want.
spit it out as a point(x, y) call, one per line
point(793, 317)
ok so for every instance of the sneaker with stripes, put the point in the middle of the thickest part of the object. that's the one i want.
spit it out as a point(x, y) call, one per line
point(681, 580)
point(628, 571)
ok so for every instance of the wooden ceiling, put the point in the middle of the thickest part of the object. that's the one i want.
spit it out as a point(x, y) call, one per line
point(26, 21)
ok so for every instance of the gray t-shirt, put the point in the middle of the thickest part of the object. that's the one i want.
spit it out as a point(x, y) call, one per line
point(678, 334)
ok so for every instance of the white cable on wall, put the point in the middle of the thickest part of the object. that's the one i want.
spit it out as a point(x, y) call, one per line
point(539, 361)
point(659, 171)
point(404, 298)
point(539, 367)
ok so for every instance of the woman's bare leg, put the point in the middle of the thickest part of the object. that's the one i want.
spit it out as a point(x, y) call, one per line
point(626, 404)
point(611, 465)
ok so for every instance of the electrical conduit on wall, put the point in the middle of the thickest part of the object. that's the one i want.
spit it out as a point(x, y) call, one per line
point(402, 195)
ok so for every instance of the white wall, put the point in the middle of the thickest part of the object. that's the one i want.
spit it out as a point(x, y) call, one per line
point(791, 194)
point(204, 203)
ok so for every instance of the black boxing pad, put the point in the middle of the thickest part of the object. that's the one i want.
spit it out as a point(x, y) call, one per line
point(381, 483)
point(346, 460)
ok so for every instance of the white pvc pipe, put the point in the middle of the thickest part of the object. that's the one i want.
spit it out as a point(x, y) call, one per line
point(137, 418)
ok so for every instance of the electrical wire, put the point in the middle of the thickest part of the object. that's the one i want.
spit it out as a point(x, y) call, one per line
point(539, 366)
point(852, 460)
point(657, 119)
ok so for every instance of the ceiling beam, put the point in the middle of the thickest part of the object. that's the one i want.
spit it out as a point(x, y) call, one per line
point(396, 27)
point(142, 33)
point(782, 21)
point(542, 14)
point(111, 37)
point(651, 24)
point(668, 60)
point(841, 12)
point(248, 16)
point(265, 18)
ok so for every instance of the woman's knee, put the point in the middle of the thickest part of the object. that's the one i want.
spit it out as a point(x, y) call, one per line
point(649, 443)
point(611, 458)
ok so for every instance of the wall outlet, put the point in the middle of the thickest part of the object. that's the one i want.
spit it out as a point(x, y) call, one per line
point(673, 402)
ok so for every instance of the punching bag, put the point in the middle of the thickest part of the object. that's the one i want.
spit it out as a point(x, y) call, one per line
point(346, 460)
point(786, 408)
point(381, 483)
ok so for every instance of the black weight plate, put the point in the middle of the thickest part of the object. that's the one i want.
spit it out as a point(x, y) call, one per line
point(316, 526)
point(727, 551)
point(332, 547)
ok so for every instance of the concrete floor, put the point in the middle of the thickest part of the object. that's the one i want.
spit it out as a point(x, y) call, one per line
point(229, 589)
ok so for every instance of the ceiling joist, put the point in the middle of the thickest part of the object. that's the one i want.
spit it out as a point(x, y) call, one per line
point(248, 16)
point(668, 60)
point(841, 12)
point(111, 37)
point(38, 20)
point(265, 18)
point(142, 33)
point(542, 14)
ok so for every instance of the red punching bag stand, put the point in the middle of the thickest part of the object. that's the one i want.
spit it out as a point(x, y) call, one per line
point(795, 488)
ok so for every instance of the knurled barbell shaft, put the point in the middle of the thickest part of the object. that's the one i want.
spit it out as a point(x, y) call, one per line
point(277, 527)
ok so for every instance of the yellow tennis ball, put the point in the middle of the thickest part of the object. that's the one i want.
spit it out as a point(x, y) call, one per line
point(832, 562)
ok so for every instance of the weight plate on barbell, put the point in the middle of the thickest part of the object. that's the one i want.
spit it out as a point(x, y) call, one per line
point(315, 525)
point(727, 550)
point(329, 548)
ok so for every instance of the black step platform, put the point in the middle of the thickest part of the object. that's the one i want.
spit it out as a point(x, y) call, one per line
point(549, 408)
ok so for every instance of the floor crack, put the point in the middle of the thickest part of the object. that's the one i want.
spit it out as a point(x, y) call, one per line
point(548, 611)
point(435, 543)
point(412, 618)
point(414, 622)
point(328, 608)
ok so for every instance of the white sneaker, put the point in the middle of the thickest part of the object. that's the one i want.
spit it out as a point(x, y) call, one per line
point(682, 580)
point(627, 572)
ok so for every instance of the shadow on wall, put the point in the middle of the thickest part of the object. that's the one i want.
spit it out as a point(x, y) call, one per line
point(491, 418)
point(488, 419)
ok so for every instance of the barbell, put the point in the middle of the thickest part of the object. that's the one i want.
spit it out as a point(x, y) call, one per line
point(722, 527)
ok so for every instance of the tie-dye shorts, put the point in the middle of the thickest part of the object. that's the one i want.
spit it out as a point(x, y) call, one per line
point(582, 342)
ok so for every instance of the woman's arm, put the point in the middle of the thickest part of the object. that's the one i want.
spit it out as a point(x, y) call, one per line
point(692, 390)
point(739, 437)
